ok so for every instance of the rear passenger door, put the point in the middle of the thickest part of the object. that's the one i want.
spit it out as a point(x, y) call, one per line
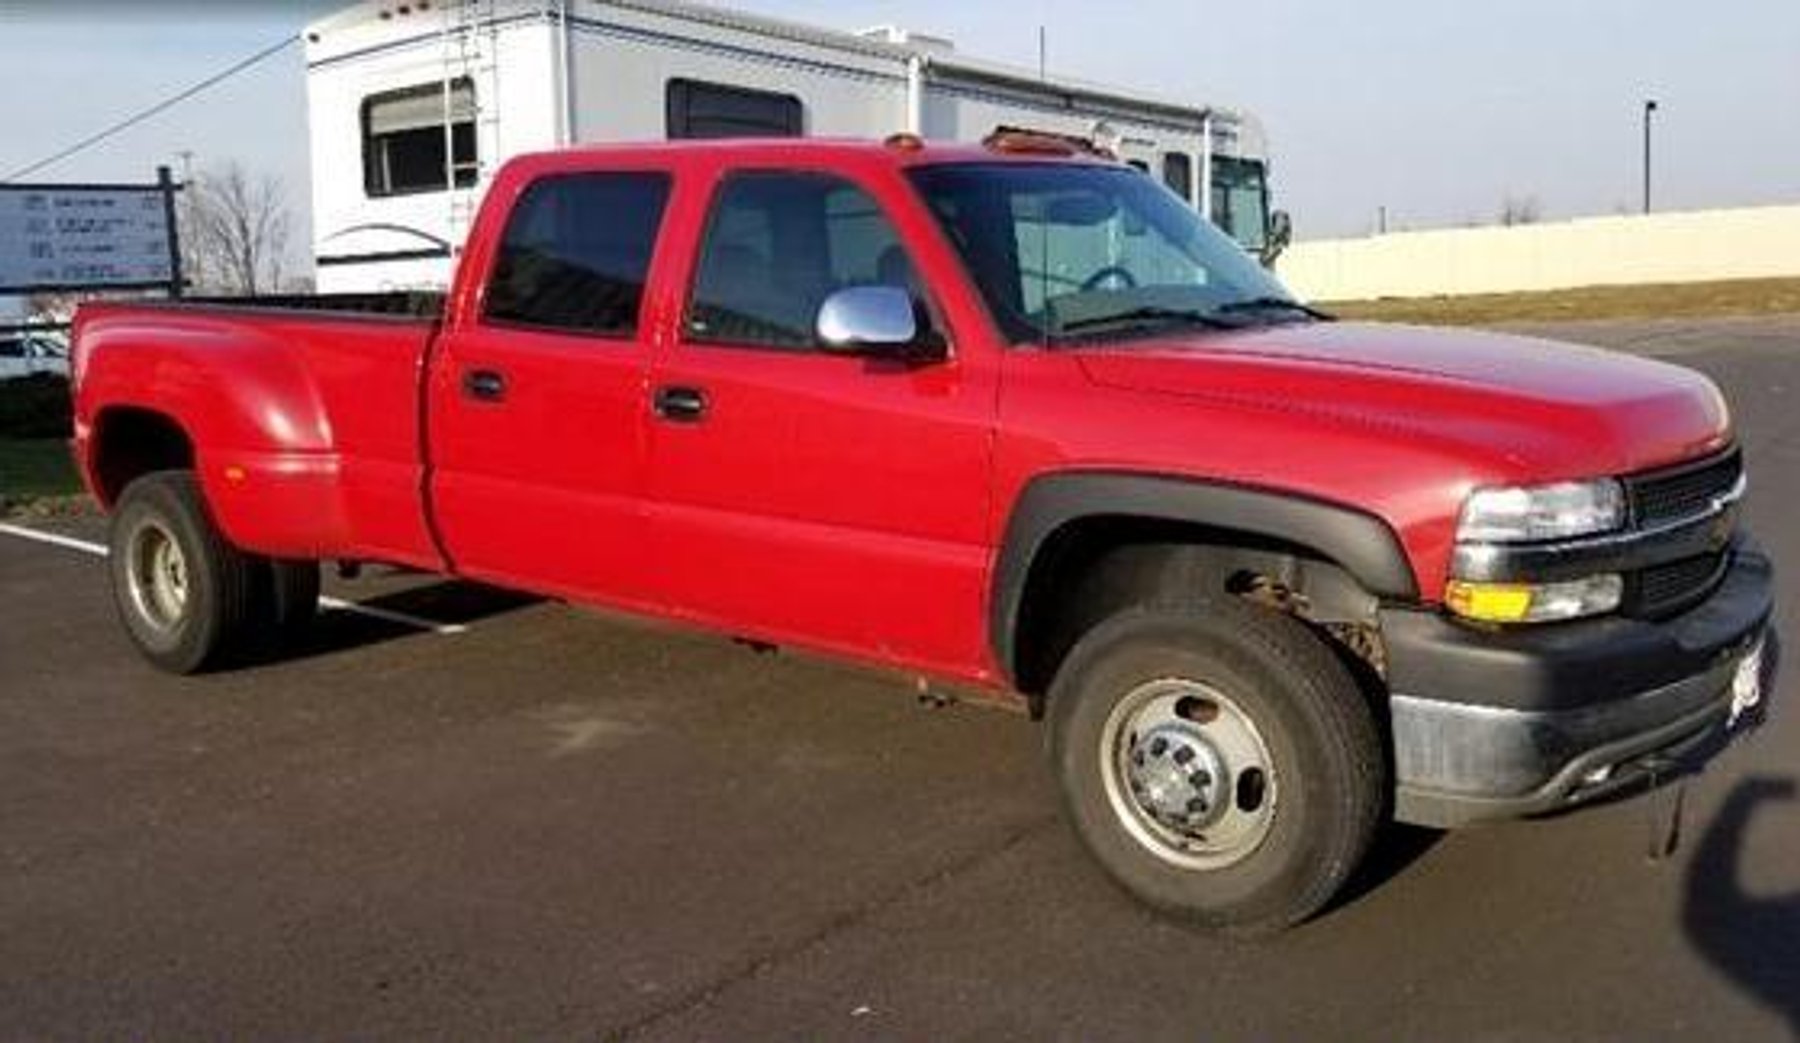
point(825, 499)
point(537, 408)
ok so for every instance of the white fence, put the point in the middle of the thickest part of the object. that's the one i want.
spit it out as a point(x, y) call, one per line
point(1697, 246)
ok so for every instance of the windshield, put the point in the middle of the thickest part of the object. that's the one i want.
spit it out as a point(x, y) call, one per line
point(1241, 200)
point(1063, 250)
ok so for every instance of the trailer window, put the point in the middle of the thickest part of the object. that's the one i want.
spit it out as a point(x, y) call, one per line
point(576, 253)
point(403, 138)
point(697, 109)
point(1178, 174)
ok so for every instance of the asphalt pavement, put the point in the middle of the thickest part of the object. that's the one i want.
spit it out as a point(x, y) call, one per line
point(471, 815)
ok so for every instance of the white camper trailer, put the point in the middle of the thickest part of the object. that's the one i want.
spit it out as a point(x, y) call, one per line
point(415, 103)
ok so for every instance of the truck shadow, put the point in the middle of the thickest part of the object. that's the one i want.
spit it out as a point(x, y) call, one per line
point(451, 601)
point(1396, 847)
point(443, 603)
point(1752, 939)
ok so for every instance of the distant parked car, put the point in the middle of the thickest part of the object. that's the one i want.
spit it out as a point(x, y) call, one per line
point(22, 355)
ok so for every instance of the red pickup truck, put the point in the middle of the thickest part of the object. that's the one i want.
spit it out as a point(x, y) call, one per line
point(1009, 415)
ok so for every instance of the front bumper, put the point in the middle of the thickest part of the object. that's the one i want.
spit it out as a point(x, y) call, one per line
point(1495, 724)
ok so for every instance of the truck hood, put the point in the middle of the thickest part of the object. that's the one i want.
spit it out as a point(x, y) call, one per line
point(1548, 410)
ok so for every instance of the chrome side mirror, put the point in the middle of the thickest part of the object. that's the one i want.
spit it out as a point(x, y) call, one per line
point(869, 320)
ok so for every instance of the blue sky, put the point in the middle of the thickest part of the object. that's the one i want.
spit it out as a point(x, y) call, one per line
point(1436, 110)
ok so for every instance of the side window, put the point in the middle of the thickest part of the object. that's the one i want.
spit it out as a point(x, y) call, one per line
point(696, 109)
point(11, 348)
point(403, 138)
point(576, 252)
point(1178, 174)
point(778, 244)
point(864, 249)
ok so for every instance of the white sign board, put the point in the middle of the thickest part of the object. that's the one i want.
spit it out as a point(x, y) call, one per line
point(80, 236)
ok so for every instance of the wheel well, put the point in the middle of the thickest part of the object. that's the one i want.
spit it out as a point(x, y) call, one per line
point(1091, 568)
point(129, 442)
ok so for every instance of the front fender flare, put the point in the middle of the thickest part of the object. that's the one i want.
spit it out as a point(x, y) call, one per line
point(1361, 543)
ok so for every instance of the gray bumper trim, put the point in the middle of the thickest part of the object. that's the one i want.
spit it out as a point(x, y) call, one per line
point(1457, 763)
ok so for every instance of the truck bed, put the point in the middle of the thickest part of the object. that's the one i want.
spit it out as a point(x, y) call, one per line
point(304, 412)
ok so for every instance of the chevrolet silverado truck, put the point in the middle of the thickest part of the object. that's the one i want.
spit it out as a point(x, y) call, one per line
point(1009, 416)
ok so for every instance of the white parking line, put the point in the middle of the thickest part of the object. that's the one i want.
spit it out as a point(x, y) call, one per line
point(54, 540)
point(98, 550)
point(388, 615)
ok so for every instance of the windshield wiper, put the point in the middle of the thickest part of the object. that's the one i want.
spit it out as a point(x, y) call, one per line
point(1148, 312)
point(1270, 303)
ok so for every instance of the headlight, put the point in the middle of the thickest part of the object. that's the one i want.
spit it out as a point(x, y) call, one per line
point(1534, 602)
point(1532, 514)
point(1523, 514)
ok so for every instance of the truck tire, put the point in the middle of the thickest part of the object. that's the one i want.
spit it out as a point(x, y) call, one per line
point(1218, 761)
point(288, 594)
point(187, 597)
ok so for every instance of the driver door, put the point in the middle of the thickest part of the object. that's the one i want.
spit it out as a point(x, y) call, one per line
point(824, 499)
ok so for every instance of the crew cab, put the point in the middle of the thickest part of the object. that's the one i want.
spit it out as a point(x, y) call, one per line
point(1011, 416)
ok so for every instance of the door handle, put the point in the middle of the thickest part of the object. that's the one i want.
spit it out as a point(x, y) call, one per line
point(681, 405)
point(486, 385)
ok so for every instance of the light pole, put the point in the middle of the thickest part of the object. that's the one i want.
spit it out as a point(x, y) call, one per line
point(1649, 110)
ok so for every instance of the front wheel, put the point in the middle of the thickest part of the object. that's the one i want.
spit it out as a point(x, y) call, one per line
point(1218, 760)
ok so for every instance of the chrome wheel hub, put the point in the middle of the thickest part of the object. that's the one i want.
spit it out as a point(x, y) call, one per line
point(1188, 774)
point(156, 572)
point(1175, 775)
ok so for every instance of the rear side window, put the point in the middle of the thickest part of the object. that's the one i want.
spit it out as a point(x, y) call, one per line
point(576, 253)
point(777, 244)
point(697, 109)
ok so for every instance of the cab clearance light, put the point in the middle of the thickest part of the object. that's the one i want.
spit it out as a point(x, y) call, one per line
point(1042, 143)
